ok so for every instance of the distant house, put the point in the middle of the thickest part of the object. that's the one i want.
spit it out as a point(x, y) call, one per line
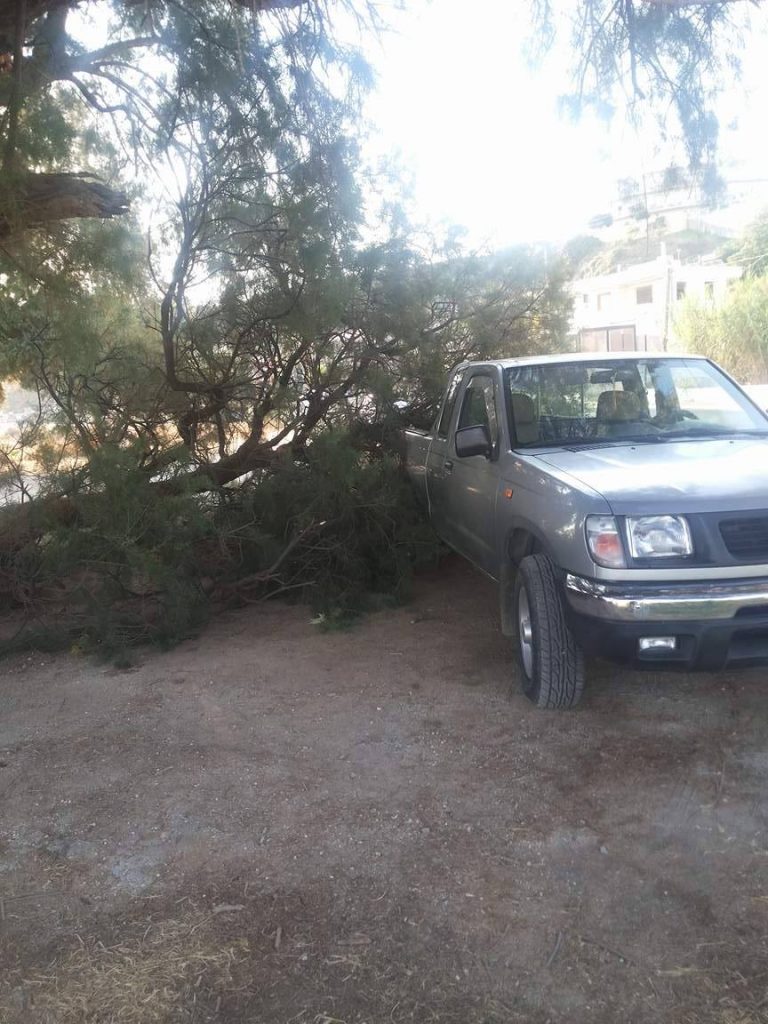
point(632, 309)
point(675, 200)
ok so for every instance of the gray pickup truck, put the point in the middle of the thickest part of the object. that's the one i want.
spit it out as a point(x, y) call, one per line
point(621, 502)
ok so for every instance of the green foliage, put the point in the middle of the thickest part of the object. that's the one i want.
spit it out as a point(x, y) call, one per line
point(735, 334)
point(663, 60)
point(751, 252)
point(258, 112)
point(513, 302)
point(342, 528)
point(121, 570)
point(579, 251)
point(138, 563)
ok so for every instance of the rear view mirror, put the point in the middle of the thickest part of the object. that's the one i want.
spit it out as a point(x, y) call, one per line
point(473, 441)
point(570, 375)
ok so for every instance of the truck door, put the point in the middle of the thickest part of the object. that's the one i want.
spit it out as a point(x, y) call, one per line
point(474, 480)
point(440, 462)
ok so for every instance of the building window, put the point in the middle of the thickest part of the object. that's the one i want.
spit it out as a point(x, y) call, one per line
point(709, 289)
point(585, 299)
point(604, 301)
point(645, 295)
point(680, 290)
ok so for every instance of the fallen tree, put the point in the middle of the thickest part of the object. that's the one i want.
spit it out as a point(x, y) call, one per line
point(216, 391)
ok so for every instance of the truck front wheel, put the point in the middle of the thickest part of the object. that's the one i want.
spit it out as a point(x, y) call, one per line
point(551, 662)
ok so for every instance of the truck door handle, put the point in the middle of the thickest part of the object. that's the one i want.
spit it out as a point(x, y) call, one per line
point(448, 464)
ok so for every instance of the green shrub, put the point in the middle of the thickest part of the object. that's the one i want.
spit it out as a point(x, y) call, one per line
point(120, 571)
point(342, 528)
point(141, 562)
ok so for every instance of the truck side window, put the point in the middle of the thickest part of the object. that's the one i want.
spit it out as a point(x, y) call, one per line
point(448, 407)
point(479, 407)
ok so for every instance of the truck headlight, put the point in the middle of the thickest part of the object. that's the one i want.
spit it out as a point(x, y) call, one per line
point(659, 536)
point(604, 542)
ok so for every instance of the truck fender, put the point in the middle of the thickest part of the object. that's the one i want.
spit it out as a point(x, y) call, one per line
point(522, 539)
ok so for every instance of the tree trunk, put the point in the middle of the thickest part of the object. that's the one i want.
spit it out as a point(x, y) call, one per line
point(35, 9)
point(35, 200)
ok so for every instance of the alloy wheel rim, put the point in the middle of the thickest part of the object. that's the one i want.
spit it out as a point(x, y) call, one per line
point(525, 632)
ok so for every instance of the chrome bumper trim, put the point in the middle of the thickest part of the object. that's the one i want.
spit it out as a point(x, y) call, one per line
point(665, 602)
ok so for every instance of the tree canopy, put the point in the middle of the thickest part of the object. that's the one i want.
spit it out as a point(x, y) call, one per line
point(661, 60)
point(255, 314)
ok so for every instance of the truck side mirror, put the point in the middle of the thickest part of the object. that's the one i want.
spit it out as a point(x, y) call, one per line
point(473, 441)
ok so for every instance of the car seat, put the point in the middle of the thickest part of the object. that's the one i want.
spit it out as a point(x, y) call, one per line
point(526, 420)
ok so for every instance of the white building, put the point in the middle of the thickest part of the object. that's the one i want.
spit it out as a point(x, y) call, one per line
point(633, 309)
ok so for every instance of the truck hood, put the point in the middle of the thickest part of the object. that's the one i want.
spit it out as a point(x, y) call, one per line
point(698, 475)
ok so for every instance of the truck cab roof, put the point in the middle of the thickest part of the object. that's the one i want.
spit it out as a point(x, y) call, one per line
point(577, 357)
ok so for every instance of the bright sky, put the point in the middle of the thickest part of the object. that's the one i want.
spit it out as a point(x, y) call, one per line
point(481, 136)
point(478, 132)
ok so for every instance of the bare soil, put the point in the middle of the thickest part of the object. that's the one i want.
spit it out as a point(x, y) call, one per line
point(272, 824)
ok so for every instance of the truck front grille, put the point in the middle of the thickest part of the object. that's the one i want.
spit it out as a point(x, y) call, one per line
point(746, 538)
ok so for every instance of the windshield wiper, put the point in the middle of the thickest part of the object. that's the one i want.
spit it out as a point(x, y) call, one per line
point(531, 445)
point(711, 433)
point(582, 443)
point(641, 439)
point(617, 442)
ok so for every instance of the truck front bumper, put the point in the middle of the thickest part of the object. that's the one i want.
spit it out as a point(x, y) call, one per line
point(713, 624)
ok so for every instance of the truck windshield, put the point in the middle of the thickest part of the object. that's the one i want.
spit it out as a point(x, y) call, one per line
point(639, 400)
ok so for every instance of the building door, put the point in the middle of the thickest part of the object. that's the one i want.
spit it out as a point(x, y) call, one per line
point(609, 339)
point(622, 339)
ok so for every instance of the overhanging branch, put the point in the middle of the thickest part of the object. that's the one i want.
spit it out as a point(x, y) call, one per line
point(35, 200)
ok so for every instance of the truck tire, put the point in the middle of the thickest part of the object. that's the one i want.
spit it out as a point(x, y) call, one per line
point(551, 662)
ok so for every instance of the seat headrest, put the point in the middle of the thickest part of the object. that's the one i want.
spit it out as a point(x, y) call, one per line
point(523, 409)
point(618, 405)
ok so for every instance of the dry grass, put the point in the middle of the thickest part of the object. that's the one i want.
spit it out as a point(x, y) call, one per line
point(731, 986)
point(156, 979)
point(194, 970)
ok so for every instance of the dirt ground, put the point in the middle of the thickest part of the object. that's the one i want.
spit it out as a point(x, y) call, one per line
point(272, 824)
